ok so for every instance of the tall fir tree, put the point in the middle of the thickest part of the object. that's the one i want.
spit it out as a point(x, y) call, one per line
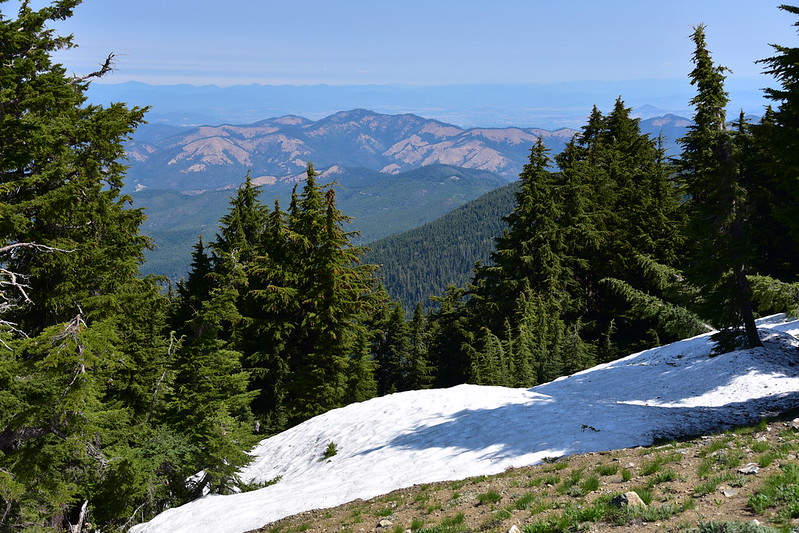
point(92, 363)
point(778, 136)
point(717, 207)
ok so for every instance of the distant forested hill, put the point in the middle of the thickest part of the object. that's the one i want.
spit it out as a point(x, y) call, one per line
point(421, 262)
point(380, 204)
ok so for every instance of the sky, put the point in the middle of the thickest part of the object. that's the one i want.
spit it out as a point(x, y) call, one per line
point(413, 42)
point(433, 435)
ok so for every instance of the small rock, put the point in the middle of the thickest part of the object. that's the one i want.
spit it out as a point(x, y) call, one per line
point(385, 523)
point(729, 493)
point(794, 424)
point(762, 438)
point(514, 529)
point(629, 465)
point(749, 469)
point(628, 499)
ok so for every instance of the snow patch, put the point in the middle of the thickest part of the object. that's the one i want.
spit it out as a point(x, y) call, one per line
point(445, 434)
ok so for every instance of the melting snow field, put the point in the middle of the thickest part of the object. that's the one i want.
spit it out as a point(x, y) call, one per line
point(446, 434)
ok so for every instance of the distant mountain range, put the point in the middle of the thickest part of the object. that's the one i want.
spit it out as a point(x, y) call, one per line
point(276, 151)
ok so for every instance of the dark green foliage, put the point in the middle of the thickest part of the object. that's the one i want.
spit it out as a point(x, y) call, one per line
point(100, 411)
point(781, 131)
point(542, 301)
point(774, 296)
point(422, 262)
point(710, 166)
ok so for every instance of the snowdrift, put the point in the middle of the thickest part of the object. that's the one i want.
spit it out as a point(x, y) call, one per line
point(446, 434)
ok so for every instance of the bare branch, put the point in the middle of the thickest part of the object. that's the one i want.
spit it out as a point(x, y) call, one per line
point(42, 247)
point(105, 68)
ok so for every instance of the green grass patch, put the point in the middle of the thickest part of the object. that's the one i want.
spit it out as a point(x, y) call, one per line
point(767, 458)
point(664, 477)
point(607, 470)
point(590, 484)
point(491, 496)
point(523, 503)
point(780, 491)
point(760, 446)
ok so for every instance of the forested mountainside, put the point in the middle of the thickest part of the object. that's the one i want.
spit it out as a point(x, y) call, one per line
point(422, 262)
point(379, 204)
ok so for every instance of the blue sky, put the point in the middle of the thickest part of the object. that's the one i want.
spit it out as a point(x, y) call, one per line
point(416, 42)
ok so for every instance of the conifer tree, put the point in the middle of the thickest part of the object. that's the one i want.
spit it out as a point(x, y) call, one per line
point(63, 190)
point(336, 300)
point(390, 349)
point(717, 207)
point(241, 228)
point(420, 371)
point(90, 365)
point(210, 404)
point(781, 130)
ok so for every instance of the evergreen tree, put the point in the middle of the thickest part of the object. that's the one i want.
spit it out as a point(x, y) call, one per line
point(210, 403)
point(241, 228)
point(336, 301)
point(61, 175)
point(531, 252)
point(306, 311)
point(717, 207)
point(781, 130)
point(90, 364)
point(390, 349)
point(420, 371)
point(195, 289)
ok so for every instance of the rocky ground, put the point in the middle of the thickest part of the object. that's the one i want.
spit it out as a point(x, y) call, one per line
point(749, 476)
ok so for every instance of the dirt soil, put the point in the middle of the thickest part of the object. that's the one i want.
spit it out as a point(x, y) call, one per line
point(686, 483)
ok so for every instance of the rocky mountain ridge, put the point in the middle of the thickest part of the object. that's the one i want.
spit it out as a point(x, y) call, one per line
point(278, 149)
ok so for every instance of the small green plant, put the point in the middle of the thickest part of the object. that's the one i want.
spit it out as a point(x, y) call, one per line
point(523, 502)
point(732, 527)
point(760, 446)
point(491, 496)
point(709, 486)
point(329, 452)
point(607, 470)
point(416, 523)
point(626, 475)
point(384, 512)
point(766, 459)
point(551, 479)
point(664, 477)
point(590, 484)
point(535, 482)
point(651, 467)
